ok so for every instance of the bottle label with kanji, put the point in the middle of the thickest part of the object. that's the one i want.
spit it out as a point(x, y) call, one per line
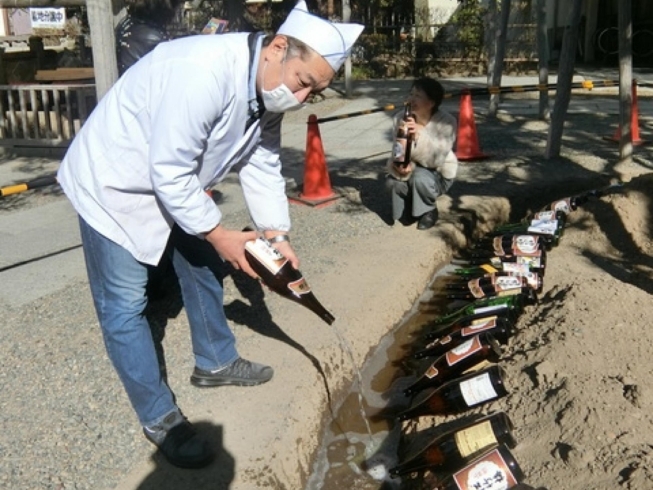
point(478, 390)
point(489, 473)
point(463, 351)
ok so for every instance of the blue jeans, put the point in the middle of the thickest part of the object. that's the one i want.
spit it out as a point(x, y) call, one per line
point(118, 283)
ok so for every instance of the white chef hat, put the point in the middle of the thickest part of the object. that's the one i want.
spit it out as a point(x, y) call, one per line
point(333, 41)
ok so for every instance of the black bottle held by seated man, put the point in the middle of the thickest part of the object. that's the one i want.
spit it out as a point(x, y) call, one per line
point(403, 141)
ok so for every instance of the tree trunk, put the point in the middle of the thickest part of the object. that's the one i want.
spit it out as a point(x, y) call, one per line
point(490, 43)
point(497, 71)
point(543, 59)
point(346, 16)
point(625, 82)
point(565, 77)
point(101, 23)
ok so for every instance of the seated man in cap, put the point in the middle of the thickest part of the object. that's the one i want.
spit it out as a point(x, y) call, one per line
point(171, 127)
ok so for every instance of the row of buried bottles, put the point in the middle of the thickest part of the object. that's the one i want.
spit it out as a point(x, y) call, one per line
point(495, 280)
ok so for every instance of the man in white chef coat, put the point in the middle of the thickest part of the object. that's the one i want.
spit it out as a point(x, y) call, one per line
point(172, 126)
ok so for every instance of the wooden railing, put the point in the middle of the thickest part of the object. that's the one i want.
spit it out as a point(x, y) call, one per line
point(43, 115)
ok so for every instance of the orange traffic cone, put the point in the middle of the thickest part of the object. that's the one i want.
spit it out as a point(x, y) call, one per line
point(634, 123)
point(316, 190)
point(467, 140)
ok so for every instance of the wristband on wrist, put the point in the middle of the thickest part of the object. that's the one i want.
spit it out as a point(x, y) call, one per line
point(279, 238)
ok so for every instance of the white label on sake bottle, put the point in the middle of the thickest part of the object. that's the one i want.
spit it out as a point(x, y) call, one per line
point(504, 283)
point(477, 390)
point(563, 205)
point(545, 215)
point(266, 255)
point(399, 150)
point(299, 287)
point(530, 261)
point(487, 309)
point(475, 438)
point(478, 327)
point(543, 226)
point(532, 279)
point(463, 351)
point(514, 268)
point(489, 472)
point(526, 243)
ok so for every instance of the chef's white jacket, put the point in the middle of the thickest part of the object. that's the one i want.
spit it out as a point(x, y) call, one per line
point(172, 126)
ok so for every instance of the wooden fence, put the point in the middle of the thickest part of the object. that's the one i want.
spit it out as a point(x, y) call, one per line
point(43, 115)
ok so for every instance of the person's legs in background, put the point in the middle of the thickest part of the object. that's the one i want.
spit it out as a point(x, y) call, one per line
point(426, 186)
point(401, 200)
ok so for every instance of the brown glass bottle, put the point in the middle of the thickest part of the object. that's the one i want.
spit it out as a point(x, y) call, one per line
point(551, 225)
point(509, 307)
point(483, 307)
point(403, 141)
point(484, 287)
point(278, 274)
point(569, 204)
point(496, 468)
point(501, 329)
point(475, 253)
point(498, 265)
point(450, 451)
point(460, 394)
point(490, 282)
point(481, 347)
point(536, 260)
point(501, 244)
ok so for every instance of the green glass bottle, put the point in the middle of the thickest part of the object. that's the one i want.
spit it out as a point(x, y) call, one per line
point(478, 309)
point(516, 264)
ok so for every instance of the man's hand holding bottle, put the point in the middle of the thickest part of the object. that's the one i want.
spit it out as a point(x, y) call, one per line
point(281, 242)
point(230, 244)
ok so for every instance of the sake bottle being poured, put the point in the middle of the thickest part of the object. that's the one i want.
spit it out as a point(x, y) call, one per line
point(278, 274)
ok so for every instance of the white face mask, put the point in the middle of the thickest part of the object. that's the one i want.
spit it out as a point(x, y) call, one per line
point(279, 99)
